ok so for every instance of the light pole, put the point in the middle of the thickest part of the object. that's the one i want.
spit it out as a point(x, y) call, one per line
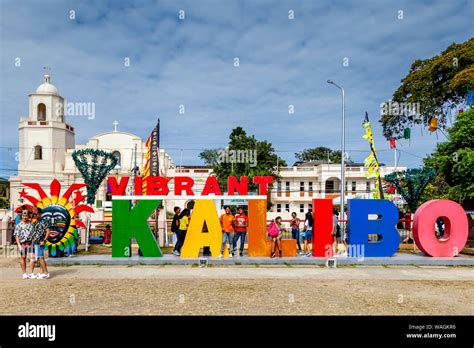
point(343, 149)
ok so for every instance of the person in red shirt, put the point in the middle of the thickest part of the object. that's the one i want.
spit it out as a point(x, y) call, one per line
point(107, 235)
point(241, 223)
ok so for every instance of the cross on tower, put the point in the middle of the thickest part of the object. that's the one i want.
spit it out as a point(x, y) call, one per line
point(115, 123)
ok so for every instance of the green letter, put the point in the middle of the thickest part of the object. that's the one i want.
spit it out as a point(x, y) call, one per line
point(127, 224)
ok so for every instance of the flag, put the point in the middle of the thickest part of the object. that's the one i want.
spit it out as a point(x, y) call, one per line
point(152, 164)
point(433, 124)
point(371, 162)
point(393, 143)
point(406, 133)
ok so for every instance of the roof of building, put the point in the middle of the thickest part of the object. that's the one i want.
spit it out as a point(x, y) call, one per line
point(47, 87)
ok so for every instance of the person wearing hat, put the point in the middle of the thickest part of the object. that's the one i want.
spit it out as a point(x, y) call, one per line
point(22, 236)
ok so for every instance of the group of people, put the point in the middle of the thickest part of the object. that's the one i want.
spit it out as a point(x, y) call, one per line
point(276, 229)
point(30, 234)
point(234, 229)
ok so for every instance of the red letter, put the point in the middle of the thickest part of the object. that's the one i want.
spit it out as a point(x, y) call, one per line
point(455, 228)
point(138, 186)
point(156, 185)
point(322, 238)
point(117, 190)
point(211, 186)
point(183, 183)
point(233, 184)
point(262, 182)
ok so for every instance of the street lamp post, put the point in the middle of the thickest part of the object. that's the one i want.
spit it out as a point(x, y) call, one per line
point(343, 149)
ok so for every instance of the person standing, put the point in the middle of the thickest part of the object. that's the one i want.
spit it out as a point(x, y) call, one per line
point(336, 230)
point(227, 223)
point(40, 233)
point(22, 236)
point(276, 235)
point(295, 229)
point(183, 227)
point(308, 236)
point(107, 234)
point(175, 227)
point(241, 223)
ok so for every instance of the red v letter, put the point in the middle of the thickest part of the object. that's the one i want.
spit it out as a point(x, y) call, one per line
point(117, 190)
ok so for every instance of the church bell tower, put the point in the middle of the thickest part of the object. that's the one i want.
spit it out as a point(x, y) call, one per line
point(44, 135)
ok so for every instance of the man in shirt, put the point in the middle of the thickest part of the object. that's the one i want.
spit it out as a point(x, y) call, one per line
point(175, 228)
point(40, 234)
point(22, 236)
point(241, 223)
point(227, 223)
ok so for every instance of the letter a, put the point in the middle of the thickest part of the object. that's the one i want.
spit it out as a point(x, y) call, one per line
point(204, 212)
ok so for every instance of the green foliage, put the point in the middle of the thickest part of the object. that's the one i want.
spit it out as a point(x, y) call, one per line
point(439, 84)
point(4, 203)
point(319, 153)
point(410, 184)
point(94, 166)
point(453, 159)
point(222, 165)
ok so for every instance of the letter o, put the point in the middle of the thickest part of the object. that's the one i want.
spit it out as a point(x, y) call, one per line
point(456, 228)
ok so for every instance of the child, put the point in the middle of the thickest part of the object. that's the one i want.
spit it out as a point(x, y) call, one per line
point(275, 233)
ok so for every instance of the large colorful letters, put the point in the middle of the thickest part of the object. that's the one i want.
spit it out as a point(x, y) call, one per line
point(455, 230)
point(384, 226)
point(365, 217)
point(322, 231)
point(130, 222)
point(204, 212)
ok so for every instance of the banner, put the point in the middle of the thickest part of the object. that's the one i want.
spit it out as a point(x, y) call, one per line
point(371, 162)
point(152, 163)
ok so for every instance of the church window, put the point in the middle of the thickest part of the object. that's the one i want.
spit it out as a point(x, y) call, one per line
point(41, 112)
point(38, 152)
point(118, 156)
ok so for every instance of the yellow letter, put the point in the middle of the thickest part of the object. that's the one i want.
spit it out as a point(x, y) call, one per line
point(204, 211)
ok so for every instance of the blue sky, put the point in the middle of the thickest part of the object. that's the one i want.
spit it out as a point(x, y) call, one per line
point(190, 62)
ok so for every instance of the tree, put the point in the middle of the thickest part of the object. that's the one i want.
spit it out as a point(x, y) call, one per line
point(4, 203)
point(453, 159)
point(319, 153)
point(410, 184)
point(244, 156)
point(433, 87)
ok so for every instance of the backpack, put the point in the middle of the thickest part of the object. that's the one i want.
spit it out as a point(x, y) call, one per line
point(273, 230)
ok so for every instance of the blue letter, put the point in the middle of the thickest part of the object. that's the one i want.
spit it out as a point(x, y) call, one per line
point(384, 226)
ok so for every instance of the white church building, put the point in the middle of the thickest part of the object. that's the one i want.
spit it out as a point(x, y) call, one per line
point(47, 141)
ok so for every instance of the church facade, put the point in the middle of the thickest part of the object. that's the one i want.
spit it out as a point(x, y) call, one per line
point(47, 141)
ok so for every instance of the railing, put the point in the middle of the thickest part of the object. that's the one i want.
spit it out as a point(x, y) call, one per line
point(96, 233)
